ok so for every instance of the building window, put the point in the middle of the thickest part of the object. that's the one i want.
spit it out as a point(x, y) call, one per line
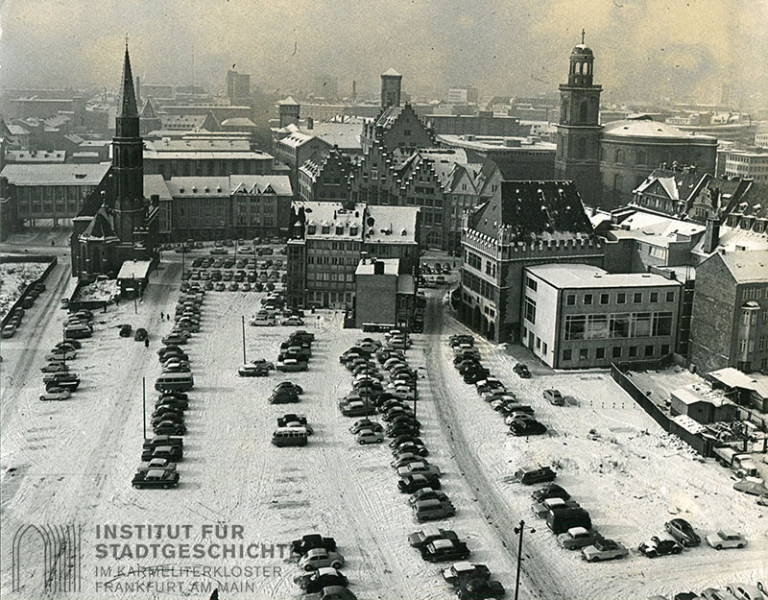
point(637, 297)
point(654, 296)
point(570, 299)
point(575, 326)
point(621, 298)
point(616, 352)
point(531, 283)
point(605, 298)
point(599, 353)
point(583, 353)
point(648, 351)
point(632, 351)
point(530, 311)
point(670, 296)
point(538, 343)
point(544, 349)
point(567, 354)
point(587, 299)
point(662, 324)
point(664, 349)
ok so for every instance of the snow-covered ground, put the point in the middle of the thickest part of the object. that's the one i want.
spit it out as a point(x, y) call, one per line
point(14, 278)
point(71, 462)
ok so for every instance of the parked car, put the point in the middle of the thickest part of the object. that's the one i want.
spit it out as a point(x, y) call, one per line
point(55, 367)
point(420, 539)
point(410, 448)
point(521, 428)
point(554, 397)
point(155, 478)
point(8, 331)
point(745, 591)
point(464, 571)
point(310, 541)
point(522, 370)
point(168, 427)
point(172, 453)
point(56, 393)
point(726, 539)
point(683, 532)
point(538, 475)
point(368, 436)
point(412, 482)
point(753, 488)
point(365, 423)
point(292, 321)
point(157, 463)
point(60, 355)
point(292, 365)
point(405, 459)
point(140, 335)
point(318, 558)
point(442, 549)
point(289, 386)
point(716, 594)
point(251, 370)
point(480, 589)
point(356, 408)
point(603, 549)
point(263, 320)
point(578, 537)
point(126, 330)
point(317, 580)
point(419, 468)
point(659, 547)
point(551, 490)
point(283, 396)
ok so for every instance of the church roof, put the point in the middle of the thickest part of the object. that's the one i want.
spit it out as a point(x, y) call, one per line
point(148, 111)
point(55, 174)
point(645, 127)
point(100, 226)
point(127, 101)
point(289, 101)
point(391, 73)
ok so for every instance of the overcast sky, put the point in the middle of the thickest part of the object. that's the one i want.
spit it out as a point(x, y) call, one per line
point(644, 48)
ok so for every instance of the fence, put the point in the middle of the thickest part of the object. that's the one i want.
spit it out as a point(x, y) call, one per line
point(702, 445)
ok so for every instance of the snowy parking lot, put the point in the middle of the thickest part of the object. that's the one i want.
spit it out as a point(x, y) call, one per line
point(72, 461)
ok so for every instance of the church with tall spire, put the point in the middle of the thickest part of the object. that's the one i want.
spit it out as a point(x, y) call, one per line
point(117, 223)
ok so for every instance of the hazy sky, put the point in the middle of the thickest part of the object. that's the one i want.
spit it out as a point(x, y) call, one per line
point(643, 48)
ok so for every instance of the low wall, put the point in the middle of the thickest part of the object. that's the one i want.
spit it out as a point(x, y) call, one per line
point(702, 445)
point(52, 260)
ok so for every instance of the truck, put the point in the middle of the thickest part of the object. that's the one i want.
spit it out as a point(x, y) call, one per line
point(741, 463)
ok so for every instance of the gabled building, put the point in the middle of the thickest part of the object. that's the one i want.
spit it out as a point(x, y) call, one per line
point(729, 325)
point(325, 178)
point(397, 127)
point(523, 224)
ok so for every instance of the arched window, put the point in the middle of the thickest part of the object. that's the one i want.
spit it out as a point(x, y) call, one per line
point(583, 109)
point(641, 158)
point(619, 156)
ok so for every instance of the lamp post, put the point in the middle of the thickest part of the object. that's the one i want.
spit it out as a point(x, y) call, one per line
point(519, 530)
point(242, 317)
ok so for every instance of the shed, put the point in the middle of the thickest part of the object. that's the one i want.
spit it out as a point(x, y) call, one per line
point(133, 275)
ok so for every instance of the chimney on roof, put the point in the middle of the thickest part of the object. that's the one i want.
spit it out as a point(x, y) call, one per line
point(378, 267)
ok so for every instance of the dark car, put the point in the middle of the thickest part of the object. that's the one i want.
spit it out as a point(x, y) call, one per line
point(172, 453)
point(163, 440)
point(310, 542)
point(410, 483)
point(427, 494)
point(480, 589)
point(401, 429)
point(288, 385)
point(315, 582)
point(410, 448)
point(521, 428)
point(522, 370)
point(550, 491)
point(475, 375)
point(291, 418)
point(169, 427)
point(441, 550)
point(140, 335)
point(531, 476)
point(155, 478)
point(658, 547)
point(126, 330)
point(284, 396)
point(401, 439)
point(683, 532)
point(420, 539)
point(176, 418)
point(366, 423)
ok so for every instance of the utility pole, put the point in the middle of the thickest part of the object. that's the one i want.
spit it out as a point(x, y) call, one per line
point(519, 530)
point(242, 317)
point(144, 403)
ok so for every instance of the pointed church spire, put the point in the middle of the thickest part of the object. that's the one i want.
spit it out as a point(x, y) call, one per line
point(127, 103)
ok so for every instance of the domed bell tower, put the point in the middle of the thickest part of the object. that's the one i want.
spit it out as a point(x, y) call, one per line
point(578, 133)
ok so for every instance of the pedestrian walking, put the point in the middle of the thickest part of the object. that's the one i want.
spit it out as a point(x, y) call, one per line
point(146, 342)
point(162, 315)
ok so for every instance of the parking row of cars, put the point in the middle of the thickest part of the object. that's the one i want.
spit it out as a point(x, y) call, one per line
point(59, 380)
point(733, 591)
point(321, 561)
point(471, 581)
point(13, 324)
point(228, 274)
point(161, 453)
point(295, 352)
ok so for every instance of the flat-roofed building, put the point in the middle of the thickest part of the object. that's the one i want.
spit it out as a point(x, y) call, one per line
point(579, 316)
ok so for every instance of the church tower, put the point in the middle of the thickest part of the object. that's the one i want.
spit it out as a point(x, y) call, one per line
point(391, 82)
point(578, 132)
point(127, 162)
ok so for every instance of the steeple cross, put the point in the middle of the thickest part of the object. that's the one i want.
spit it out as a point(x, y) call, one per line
point(126, 41)
point(582, 38)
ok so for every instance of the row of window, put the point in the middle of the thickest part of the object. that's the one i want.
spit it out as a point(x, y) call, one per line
point(473, 260)
point(326, 230)
point(754, 293)
point(313, 276)
point(332, 260)
point(474, 283)
point(585, 354)
point(604, 298)
point(619, 325)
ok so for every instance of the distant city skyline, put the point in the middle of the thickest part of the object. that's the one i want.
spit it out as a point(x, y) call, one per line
point(645, 49)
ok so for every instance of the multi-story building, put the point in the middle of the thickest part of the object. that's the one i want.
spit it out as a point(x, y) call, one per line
point(325, 178)
point(383, 294)
point(237, 206)
point(328, 239)
point(729, 325)
point(297, 148)
point(524, 223)
point(751, 164)
point(238, 88)
point(204, 158)
point(578, 316)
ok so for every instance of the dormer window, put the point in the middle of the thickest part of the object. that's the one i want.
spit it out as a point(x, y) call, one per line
point(311, 230)
point(353, 231)
point(326, 229)
point(339, 230)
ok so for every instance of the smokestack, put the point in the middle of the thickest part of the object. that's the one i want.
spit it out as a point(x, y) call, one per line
point(711, 234)
point(354, 91)
point(138, 91)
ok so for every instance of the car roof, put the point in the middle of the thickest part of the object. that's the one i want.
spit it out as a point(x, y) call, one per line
point(317, 552)
point(441, 543)
point(463, 565)
point(578, 531)
point(155, 473)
